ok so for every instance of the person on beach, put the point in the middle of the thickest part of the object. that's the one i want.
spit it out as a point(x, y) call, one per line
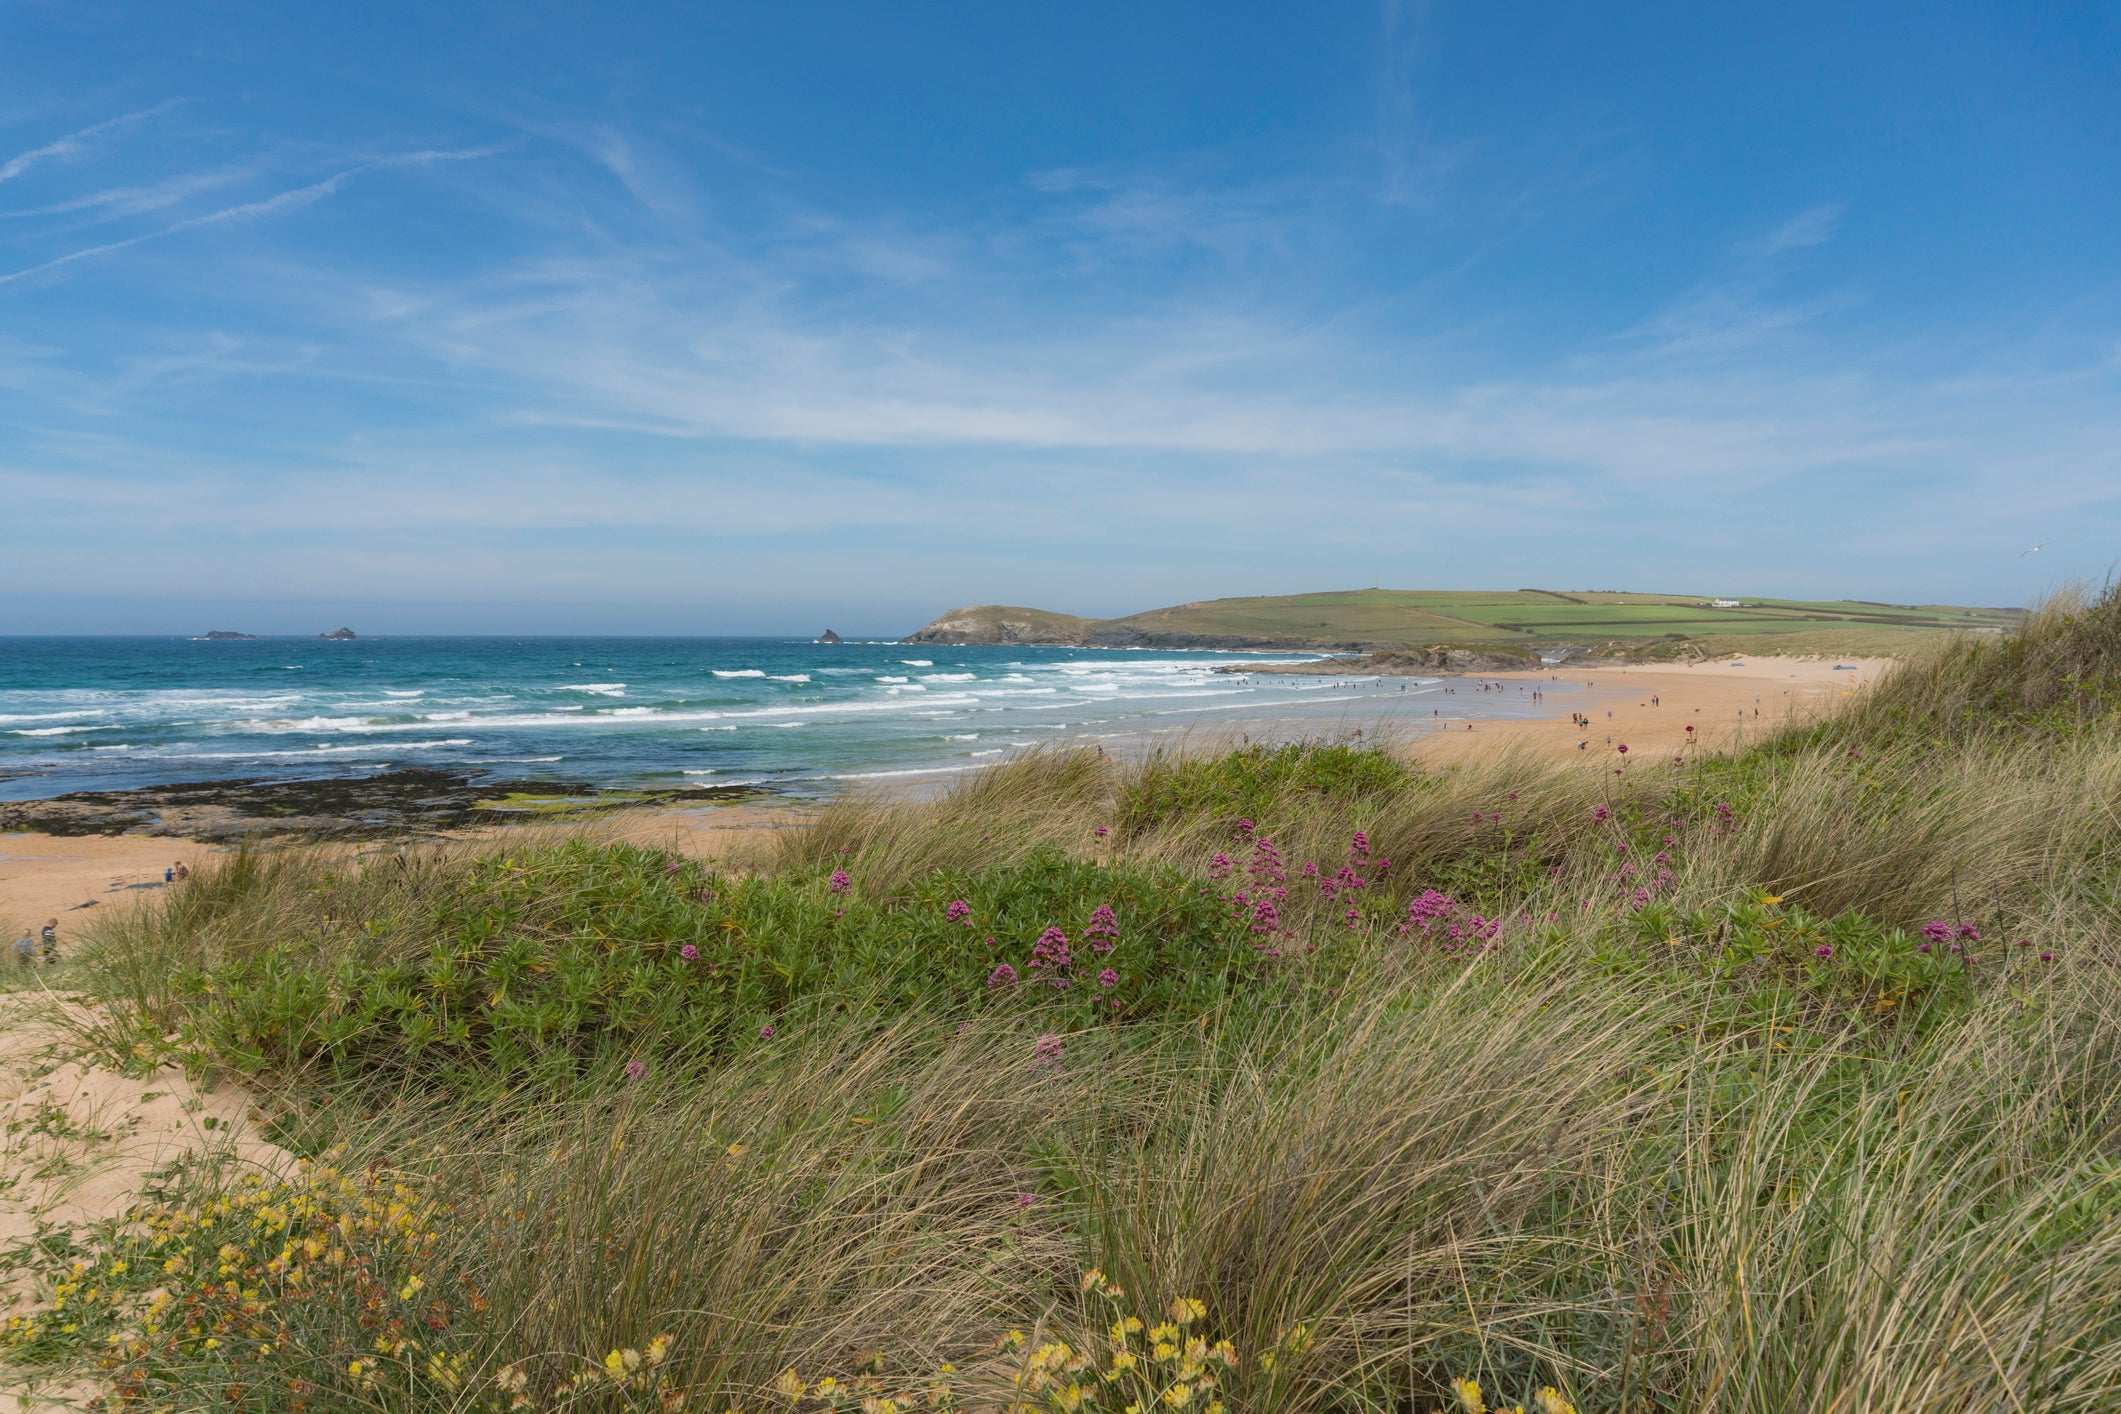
point(183, 871)
point(169, 875)
point(25, 949)
point(51, 940)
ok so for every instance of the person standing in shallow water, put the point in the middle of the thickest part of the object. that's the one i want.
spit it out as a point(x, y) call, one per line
point(51, 940)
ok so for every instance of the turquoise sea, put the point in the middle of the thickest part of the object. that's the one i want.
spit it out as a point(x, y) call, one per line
point(110, 713)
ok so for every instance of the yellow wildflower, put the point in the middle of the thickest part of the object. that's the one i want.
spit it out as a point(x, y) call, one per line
point(790, 1385)
point(1469, 1396)
point(1179, 1395)
point(1549, 1401)
point(1186, 1310)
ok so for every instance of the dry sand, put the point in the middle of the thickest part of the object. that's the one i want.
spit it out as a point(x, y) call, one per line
point(1728, 703)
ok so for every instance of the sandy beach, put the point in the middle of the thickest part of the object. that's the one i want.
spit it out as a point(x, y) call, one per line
point(1648, 709)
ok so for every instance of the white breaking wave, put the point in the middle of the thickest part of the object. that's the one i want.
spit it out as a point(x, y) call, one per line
point(601, 689)
point(738, 672)
point(949, 677)
point(881, 678)
point(918, 662)
point(790, 677)
point(59, 731)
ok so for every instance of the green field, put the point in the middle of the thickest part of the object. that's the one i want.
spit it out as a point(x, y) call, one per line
point(1414, 617)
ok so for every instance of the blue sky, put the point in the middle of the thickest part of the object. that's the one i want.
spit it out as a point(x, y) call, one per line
point(758, 317)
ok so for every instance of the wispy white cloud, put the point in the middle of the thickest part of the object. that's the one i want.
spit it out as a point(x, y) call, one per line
point(289, 200)
point(117, 203)
point(1813, 226)
point(77, 142)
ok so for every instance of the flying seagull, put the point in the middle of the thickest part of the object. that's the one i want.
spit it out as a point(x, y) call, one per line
point(2034, 551)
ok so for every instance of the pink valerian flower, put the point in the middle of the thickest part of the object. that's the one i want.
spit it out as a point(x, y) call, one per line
point(1922, 947)
point(1266, 864)
point(766, 1032)
point(1599, 812)
point(636, 1069)
point(1025, 1200)
point(1623, 748)
point(1219, 866)
point(1103, 931)
point(958, 911)
point(1266, 918)
point(1823, 950)
point(1310, 871)
point(689, 953)
point(1050, 955)
point(1359, 846)
point(1000, 977)
point(1244, 828)
point(2047, 956)
point(839, 882)
point(1108, 979)
point(1101, 831)
point(1513, 795)
point(1046, 1053)
point(1430, 907)
point(1937, 931)
point(1969, 932)
point(674, 867)
point(1351, 917)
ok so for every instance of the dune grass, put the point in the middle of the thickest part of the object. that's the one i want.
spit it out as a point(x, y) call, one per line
point(1781, 1081)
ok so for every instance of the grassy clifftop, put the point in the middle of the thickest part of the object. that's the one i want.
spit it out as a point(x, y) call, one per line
point(1399, 618)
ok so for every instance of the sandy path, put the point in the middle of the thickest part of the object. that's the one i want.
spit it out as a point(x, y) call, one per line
point(1650, 708)
point(81, 1141)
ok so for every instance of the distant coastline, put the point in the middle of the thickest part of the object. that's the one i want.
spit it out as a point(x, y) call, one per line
point(1526, 625)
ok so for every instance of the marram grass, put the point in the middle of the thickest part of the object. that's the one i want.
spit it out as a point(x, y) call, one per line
point(1267, 1079)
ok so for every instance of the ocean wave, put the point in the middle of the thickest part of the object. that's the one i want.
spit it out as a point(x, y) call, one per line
point(703, 771)
point(628, 711)
point(601, 689)
point(882, 678)
point(964, 736)
point(788, 677)
point(59, 731)
point(738, 672)
point(918, 662)
point(949, 677)
point(387, 692)
point(48, 716)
